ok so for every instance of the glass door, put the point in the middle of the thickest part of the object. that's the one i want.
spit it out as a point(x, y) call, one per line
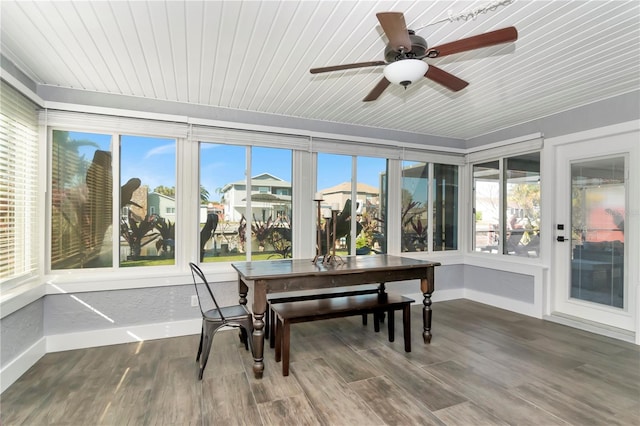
point(591, 261)
point(598, 210)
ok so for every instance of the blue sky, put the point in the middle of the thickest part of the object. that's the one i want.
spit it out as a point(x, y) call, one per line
point(153, 161)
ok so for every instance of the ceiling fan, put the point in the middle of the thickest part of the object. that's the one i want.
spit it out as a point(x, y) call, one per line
point(405, 53)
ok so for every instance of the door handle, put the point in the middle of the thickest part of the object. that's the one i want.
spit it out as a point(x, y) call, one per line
point(561, 239)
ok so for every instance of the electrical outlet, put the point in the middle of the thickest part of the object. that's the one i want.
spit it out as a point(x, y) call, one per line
point(194, 300)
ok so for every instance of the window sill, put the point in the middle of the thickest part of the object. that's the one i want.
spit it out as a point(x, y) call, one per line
point(124, 279)
point(15, 298)
point(20, 296)
point(452, 257)
point(518, 264)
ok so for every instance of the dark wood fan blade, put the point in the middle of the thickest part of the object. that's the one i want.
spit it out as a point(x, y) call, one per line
point(347, 66)
point(377, 91)
point(395, 28)
point(475, 42)
point(449, 81)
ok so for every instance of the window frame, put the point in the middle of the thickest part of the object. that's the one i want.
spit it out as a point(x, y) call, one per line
point(249, 174)
point(509, 150)
point(187, 137)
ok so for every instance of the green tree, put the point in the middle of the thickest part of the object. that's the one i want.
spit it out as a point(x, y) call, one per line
point(163, 190)
point(204, 195)
point(527, 197)
point(171, 192)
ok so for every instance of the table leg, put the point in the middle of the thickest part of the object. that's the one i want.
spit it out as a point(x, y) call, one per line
point(243, 289)
point(427, 287)
point(259, 310)
point(426, 318)
point(258, 345)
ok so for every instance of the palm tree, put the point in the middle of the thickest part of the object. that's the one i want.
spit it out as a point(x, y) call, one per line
point(204, 195)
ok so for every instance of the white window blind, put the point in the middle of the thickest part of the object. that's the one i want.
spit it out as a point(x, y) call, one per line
point(518, 146)
point(249, 138)
point(112, 123)
point(433, 157)
point(336, 146)
point(18, 185)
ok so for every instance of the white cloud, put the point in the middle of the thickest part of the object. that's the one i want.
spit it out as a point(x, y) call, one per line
point(161, 150)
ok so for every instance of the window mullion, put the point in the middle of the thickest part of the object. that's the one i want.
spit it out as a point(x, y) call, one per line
point(431, 187)
point(248, 209)
point(117, 184)
point(503, 203)
point(354, 205)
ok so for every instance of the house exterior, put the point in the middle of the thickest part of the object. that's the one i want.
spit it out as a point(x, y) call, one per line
point(162, 205)
point(366, 195)
point(214, 207)
point(270, 197)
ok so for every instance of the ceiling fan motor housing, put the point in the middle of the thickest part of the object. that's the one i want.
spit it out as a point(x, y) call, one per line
point(418, 48)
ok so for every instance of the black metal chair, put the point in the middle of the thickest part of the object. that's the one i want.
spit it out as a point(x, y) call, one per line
point(236, 316)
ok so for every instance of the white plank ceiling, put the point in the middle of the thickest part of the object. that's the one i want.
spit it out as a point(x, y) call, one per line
point(256, 56)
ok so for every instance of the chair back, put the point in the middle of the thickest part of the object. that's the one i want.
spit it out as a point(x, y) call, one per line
point(199, 278)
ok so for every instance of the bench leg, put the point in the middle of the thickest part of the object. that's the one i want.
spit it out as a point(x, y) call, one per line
point(391, 325)
point(406, 325)
point(267, 322)
point(286, 340)
point(278, 340)
point(273, 320)
point(376, 321)
point(364, 319)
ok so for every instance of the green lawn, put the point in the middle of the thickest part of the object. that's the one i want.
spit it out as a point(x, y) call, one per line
point(240, 257)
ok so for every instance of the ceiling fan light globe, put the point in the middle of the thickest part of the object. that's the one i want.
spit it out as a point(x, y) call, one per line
point(405, 71)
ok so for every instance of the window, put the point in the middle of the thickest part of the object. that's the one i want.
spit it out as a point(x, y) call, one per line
point(148, 189)
point(371, 190)
point(271, 168)
point(223, 188)
point(486, 186)
point(81, 200)
point(445, 207)
point(507, 205)
point(522, 205)
point(415, 207)
point(19, 236)
point(83, 229)
point(224, 213)
point(334, 182)
point(240, 197)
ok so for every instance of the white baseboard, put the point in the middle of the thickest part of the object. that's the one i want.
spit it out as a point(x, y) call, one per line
point(480, 297)
point(505, 303)
point(439, 295)
point(18, 366)
point(114, 336)
point(93, 338)
point(592, 327)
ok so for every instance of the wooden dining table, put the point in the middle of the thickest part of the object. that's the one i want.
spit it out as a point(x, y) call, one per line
point(276, 276)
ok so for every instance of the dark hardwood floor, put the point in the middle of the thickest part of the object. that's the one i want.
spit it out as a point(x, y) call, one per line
point(484, 366)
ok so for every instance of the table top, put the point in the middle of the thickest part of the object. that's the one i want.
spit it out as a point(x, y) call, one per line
point(265, 269)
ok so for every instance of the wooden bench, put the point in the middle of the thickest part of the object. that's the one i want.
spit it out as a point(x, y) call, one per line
point(288, 313)
point(270, 323)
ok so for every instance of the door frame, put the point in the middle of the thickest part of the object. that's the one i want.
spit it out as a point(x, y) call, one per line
point(603, 142)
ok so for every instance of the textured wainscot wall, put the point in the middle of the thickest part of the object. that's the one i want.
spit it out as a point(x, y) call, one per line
point(20, 330)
